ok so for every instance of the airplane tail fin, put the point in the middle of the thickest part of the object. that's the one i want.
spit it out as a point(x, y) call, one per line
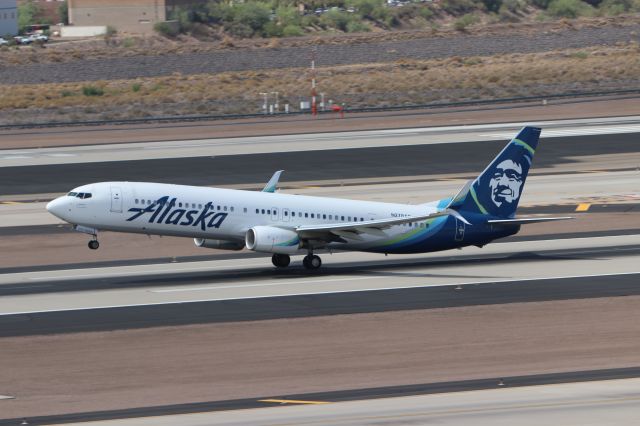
point(497, 190)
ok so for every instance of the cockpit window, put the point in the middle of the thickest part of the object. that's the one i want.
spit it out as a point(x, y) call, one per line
point(81, 195)
point(86, 195)
point(72, 194)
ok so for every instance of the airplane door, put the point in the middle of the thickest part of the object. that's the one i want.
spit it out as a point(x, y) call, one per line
point(274, 214)
point(459, 230)
point(116, 200)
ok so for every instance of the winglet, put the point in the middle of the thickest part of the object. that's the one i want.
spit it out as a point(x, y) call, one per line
point(273, 182)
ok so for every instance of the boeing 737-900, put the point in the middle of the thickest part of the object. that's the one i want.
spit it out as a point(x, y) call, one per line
point(284, 224)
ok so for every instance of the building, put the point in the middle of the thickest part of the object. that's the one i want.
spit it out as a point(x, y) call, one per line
point(133, 16)
point(8, 18)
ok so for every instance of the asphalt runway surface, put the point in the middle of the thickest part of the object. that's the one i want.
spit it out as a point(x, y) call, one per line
point(114, 340)
point(468, 158)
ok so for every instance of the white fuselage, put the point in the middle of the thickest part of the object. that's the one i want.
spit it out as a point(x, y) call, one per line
point(221, 214)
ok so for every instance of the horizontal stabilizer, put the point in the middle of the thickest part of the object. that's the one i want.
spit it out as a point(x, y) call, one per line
point(526, 220)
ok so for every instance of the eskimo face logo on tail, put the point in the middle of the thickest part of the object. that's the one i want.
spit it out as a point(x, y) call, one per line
point(505, 183)
point(164, 211)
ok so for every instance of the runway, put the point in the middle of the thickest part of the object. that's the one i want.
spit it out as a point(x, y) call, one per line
point(611, 402)
point(390, 154)
point(157, 326)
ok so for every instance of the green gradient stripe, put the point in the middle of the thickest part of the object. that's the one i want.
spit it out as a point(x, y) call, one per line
point(291, 242)
point(414, 232)
point(524, 145)
point(475, 198)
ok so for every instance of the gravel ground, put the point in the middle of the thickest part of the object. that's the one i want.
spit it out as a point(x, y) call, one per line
point(327, 55)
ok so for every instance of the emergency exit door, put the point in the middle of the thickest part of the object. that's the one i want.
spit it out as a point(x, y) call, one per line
point(116, 200)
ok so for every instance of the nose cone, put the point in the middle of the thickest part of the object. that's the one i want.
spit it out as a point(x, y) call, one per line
point(58, 207)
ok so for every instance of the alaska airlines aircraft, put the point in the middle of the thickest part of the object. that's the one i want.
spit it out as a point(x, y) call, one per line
point(283, 224)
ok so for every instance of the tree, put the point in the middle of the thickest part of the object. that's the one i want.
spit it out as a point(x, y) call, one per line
point(27, 12)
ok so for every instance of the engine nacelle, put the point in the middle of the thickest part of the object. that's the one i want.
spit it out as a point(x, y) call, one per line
point(269, 239)
point(218, 244)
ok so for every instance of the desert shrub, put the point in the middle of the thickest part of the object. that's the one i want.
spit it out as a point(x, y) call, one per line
point(569, 9)
point(458, 7)
point(136, 87)
point(166, 29)
point(513, 6)
point(272, 29)
point(492, 5)
point(253, 15)
point(66, 93)
point(580, 55)
point(465, 21)
point(357, 27)
point(335, 19)
point(239, 30)
point(92, 91)
point(365, 8)
point(616, 7)
point(292, 31)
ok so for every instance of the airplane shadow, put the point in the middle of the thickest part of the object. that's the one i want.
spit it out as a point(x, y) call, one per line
point(385, 267)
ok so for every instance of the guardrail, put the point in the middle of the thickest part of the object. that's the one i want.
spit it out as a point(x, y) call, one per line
point(434, 105)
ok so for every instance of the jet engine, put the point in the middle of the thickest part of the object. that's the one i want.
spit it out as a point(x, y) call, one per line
point(270, 239)
point(218, 244)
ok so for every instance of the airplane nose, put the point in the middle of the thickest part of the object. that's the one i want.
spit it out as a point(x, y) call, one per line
point(57, 207)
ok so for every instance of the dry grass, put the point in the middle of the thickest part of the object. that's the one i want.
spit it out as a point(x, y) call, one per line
point(124, 45)
point(403, 82)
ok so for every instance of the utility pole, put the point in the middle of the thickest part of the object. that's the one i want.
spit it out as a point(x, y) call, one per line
point(314, 106)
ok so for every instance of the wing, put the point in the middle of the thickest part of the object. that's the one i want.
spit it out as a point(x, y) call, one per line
point(334, 231)
point(273, 182)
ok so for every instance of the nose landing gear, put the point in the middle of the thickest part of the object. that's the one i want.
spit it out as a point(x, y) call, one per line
point(94, 244)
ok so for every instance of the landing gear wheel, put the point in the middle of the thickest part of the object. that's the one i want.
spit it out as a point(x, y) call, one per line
point(280, 260)
point(312, 262)
point(94, 244)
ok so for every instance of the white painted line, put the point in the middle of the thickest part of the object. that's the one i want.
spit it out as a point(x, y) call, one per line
point(315, 293)
point(271, 284)
point(7, 397)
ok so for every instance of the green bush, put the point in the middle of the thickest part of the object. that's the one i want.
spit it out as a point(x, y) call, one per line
point(92, 91)
point(166, 29)
point(292, 31)
point(335, 19)
point(569, 9)
point(616, 7)
point(253, 15)
point(357, 27)
point(464, 21)
point(66, 93)
point(136, 87)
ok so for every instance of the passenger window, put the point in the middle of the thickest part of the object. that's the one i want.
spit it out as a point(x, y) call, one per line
point(245, 209)
point(306, 215)
point(312, 216)
point(286, 213)
point(199, 206)
point(231, 209)
point(179, 204)
point(142, 201)
point(330, 217)
point(137, 201)
point(342, 218)
point(268, 211)
point(257, 211)
point(349, 219)
point(225, 208)
point(262, 211)
point(324, 216)
point(293, 214)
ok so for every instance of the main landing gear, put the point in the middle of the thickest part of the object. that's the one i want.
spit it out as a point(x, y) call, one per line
point(280, 260)
point(94, 244)
point(311, 261)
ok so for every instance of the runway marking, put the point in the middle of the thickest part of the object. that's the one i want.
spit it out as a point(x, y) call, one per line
point(314, 293)
point(6, 397)
point(583, 207)
point(293, 401)
point(334, 279)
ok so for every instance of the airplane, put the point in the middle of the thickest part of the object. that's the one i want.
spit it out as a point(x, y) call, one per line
point(286, 224)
